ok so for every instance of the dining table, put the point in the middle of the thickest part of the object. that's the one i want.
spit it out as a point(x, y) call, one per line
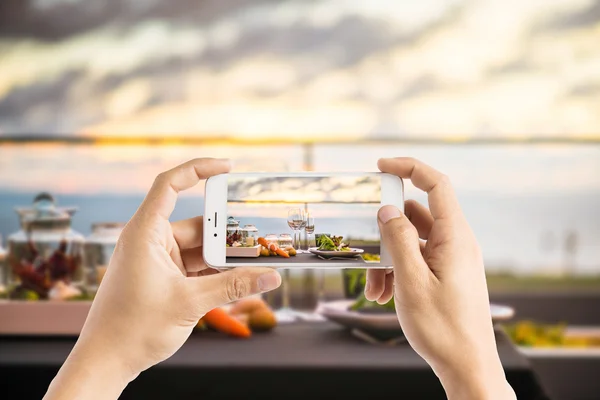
point(300, 360)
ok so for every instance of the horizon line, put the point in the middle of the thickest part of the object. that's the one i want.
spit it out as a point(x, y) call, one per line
point(223, 140)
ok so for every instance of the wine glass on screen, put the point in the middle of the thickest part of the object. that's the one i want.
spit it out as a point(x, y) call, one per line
point(309, 227)
point(296, 221)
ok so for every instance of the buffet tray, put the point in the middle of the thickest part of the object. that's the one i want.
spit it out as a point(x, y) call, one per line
point(243, 251)
point(42, 318)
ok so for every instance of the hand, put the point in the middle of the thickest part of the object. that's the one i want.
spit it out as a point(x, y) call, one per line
point(439, 286)
point(155, 290)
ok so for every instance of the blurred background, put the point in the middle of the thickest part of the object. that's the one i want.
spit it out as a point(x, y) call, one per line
point(96, 98)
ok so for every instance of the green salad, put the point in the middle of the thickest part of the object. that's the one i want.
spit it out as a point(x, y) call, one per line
point(333, 243)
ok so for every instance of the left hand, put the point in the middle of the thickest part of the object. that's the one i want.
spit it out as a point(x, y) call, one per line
point(155, 290)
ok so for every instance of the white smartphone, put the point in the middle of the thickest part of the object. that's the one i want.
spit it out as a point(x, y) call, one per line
point(297, 220)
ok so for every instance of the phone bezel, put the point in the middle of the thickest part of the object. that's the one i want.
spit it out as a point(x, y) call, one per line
point(215, 219)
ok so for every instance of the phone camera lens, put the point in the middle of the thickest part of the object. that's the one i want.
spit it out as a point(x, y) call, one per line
point(215, 235)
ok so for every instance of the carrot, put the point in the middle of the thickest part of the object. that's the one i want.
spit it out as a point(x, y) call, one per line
point(273, 247)
point(223, 322)
point(282, 253)
point(263, 242)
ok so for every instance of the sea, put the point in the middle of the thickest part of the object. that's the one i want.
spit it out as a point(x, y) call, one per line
point(518, 234)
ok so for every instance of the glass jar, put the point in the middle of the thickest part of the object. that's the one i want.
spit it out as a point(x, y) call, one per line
point(233, 231)
point(285, 240)
point(272, 238)
point(250, 235)
point(45, 255)
point(98, 249)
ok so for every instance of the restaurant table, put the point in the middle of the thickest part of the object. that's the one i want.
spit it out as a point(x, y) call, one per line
point(301, 360)
point(300, 258)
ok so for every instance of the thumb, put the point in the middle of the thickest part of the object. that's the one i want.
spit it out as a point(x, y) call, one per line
point(401, 240)
point(215, 290)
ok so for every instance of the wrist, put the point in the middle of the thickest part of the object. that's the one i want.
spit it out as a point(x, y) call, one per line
point(91, 374)
point(477, 380)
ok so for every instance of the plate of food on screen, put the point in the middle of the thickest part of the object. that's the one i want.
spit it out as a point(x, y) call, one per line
point(333, 246)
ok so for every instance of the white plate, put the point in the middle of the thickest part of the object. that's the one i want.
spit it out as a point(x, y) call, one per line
point(339, 312)
point(330, 253)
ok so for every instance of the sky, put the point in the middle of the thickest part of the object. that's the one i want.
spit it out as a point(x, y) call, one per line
point(300, 69)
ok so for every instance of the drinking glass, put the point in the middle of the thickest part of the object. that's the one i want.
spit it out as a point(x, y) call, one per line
point(309, 228)
point(296, 221)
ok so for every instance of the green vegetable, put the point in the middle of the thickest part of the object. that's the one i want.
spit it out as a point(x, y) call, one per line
point(337, 240)
point(333, 243)
point(325, 243)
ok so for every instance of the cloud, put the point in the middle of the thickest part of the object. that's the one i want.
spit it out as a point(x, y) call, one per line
point(585, 17)
point(349, 68)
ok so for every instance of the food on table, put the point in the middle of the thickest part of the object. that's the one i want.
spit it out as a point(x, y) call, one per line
point(20, 293)
point(256, 312)
point(40, 274)
point(201, 325)
point(290, 250)
point(63, 291)
point(262, 319)
point(245, 316)
point(273, 247)
point(272, 253)
point(371, 257)
point(233, 231)
point(45, 252)
point(244, 237)
point(247, 305)
point(249, 235)
point(264, 252)
point(333, 243)
point(531, 334)
point(220, 320)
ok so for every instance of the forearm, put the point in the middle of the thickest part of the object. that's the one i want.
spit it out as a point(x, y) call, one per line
point(479, 381)
point(88, 374)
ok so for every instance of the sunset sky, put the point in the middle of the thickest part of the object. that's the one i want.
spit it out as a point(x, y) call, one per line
point(300, 69)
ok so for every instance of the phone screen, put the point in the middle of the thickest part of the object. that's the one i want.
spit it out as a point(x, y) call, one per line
point(303, 219)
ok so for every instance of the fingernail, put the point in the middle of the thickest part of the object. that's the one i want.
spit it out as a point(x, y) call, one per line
point(388, 212)
point(227, 160)
point(269, 281)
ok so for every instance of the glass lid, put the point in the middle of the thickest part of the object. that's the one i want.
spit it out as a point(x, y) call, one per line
point(44, 214)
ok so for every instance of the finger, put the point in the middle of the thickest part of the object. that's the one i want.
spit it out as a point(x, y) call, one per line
point(388, 292)
point(188, 233)
point(218, 289)
point(375, 284)
point(442, 200)
point(419, 216)
point(193, 260)
point(401, 239)
point(162, 197)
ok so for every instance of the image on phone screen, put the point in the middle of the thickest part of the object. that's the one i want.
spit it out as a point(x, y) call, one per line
point(303, 219)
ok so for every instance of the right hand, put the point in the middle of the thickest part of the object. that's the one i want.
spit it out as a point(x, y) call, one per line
point(439, 286)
